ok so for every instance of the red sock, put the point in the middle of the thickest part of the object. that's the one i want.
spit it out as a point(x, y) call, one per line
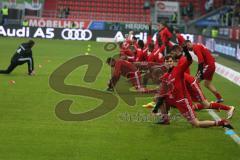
point(219, 106)
point(217, 95)
point(198, 106)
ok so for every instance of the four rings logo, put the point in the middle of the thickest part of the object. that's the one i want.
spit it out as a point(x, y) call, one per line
point(76, 34)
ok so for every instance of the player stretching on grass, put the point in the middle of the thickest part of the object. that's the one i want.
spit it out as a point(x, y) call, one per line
point(195, 90)
point(179, 95)
point(125, 69)
point(22, 55)
point(197, 96)
point(206, 67)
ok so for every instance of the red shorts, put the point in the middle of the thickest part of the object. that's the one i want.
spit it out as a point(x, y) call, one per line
point(185, 108)
point(208, 71)
point(135, 78)
point(195, 92)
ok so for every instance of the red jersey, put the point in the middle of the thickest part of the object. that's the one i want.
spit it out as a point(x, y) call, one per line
point(126, 44)
point(176, 77)
point(123, 68)
point(127, 70)
point(203, 54)
point(194, 88)
point(165, 36)
point(180, 39)
point(141, 54)
point(189, 79)
point(156, 55)
point(128, 53)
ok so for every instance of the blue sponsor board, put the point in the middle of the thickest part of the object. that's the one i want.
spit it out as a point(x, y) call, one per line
point(97, 25)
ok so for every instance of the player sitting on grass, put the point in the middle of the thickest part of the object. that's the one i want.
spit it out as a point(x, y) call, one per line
point(22, 55)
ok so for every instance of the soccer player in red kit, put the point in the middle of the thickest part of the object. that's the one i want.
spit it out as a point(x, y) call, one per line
point(197, 96)
point(126, 52)
point(179, 94)
point(141, 54)
point(155, 55)
point(206, 66)
point(164, 35)
point(179, 38)
point(125, 69)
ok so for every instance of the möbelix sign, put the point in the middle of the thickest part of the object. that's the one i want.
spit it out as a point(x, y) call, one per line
point(56, 23)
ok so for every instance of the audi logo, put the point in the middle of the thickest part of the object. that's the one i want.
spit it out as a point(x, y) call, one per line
point(76, 34)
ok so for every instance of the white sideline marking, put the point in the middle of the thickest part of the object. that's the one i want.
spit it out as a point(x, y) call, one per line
point(234, 77)
point(228, 132)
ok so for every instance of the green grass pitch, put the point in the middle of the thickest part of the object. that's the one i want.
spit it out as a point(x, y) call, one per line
point(29, 128)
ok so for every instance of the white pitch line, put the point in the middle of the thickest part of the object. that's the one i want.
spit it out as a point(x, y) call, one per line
point(228, 132)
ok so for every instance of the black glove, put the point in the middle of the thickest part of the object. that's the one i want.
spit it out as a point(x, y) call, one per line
point(200, 71)
point(187, 54)
point(158, 105)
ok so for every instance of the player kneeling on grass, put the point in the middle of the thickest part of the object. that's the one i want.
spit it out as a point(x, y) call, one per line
point(22, 55)
point(178, 94)
point(126, 69)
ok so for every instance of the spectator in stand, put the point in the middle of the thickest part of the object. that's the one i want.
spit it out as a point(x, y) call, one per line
point(228, 17)
point(209, 5)
point(25, 23)
point(236, 14)
point(67, 12)
point(174, 17)
point(190, 10)
point(214, 32)
point(73, 25)
point(4, 12)
point(61, 13)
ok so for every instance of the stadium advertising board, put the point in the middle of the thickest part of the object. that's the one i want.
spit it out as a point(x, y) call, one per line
point(65, 33)
point(232, 33)
point(48, 33)
point(56, 23)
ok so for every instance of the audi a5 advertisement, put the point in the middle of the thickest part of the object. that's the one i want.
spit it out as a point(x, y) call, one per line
point(49, 33)
point(65, 33)
point(55, 33)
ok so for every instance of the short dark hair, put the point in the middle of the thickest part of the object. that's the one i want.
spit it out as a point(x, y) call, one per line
point(175, 47)
point(120, 44)
point(31, 42)
point(151, 46)
point(167, 57)
point(163, 23)
point(176, 30)
point(186, 41)
point(141, 44)
point(134, 38)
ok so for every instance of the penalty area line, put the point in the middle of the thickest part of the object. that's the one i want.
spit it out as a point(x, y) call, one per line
point(228, 132)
